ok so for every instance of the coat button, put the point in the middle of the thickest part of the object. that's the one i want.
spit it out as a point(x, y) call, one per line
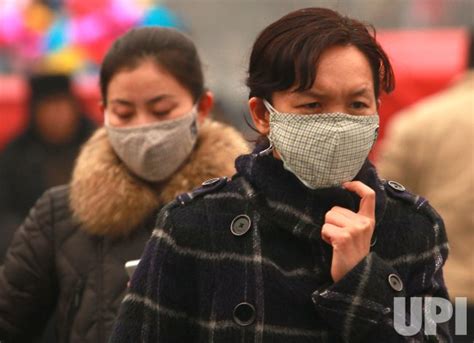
point(240, 225)
point(244, 314)
point(396, 186)
point(210, 182)
point(395, 282)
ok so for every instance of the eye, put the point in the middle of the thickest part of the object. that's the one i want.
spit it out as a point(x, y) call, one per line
point(161, 113)
point(122, 111)
point(162, 109)
point(124, 114)
point(312, 105)
point(358, 105)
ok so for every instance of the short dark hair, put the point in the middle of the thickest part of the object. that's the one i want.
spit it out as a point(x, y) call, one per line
point(286, 53)
point(169, 48)
point(49, 87)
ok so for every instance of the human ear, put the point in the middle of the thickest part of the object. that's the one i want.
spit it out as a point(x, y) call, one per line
point(204, 106)
point(260, 115)
point(377, 103)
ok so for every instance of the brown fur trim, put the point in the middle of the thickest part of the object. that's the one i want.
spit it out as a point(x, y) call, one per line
point(108, 200)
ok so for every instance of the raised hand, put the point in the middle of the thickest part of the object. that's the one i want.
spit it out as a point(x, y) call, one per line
point(349, 233)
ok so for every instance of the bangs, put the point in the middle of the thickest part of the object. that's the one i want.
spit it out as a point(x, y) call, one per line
point(286, 53)
point(300, 60)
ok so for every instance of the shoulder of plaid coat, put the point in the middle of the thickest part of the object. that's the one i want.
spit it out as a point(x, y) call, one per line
point(222, 266)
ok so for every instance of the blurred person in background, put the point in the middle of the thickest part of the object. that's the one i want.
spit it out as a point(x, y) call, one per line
point(157, 142)
point(430, 149)
point(305, 243)
point(43, 156)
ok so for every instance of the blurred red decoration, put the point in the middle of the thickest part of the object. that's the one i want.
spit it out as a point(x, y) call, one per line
point(83, 7)
point(425, 62)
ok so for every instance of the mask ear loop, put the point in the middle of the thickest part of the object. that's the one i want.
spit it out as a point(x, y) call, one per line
point(195, 111)
point(195, 126)
point(269, 106)
point(267, 151)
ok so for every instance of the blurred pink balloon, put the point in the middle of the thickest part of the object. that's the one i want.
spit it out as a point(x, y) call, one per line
point(113, 20)
point(87, 28)
point(11, 27)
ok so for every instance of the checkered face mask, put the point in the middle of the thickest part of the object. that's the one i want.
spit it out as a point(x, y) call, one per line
point(322, 150)
point(155, 151)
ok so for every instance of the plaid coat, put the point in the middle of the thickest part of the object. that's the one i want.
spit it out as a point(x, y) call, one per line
point(243, 261)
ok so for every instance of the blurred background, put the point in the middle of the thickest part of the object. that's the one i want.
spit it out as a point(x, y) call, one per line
point(51, 50)
point(426, 40)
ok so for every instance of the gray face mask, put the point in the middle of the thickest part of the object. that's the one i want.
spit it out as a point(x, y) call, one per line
point(322, 150)
point(155, 151)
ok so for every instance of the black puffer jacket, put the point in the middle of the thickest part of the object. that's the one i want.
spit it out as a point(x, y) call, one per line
point(53, 263)
point(69, 254)
point(28, 167)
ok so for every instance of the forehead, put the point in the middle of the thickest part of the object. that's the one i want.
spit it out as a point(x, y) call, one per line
point(145, 80)
point(343, 66)
point(343, 69)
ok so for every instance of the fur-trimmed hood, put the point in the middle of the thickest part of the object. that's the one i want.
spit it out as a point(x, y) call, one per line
point(108, 200)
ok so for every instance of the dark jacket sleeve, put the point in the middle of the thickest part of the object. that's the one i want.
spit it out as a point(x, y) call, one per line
point(161, 299)
point(27, 284)
point(360, 306)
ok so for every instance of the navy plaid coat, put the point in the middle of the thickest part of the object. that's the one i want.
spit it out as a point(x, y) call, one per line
point(243, 261)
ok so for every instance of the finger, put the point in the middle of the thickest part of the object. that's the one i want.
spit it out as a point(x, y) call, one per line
point(336, 218)
point(367, 197)
point(345, 212)
point(332, 234)
point(349, 220)
point(327, 231)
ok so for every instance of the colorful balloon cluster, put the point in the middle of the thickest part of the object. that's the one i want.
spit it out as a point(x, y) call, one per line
point(71, 38)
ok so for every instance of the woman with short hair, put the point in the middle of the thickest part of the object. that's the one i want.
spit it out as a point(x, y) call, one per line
point(305, 243)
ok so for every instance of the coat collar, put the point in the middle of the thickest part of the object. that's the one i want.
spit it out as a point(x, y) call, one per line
point(288, 203)
point(109, 201)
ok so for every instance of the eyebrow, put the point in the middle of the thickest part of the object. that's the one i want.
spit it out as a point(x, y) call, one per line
point(315, 94)
point(148, 102)
point(121, 102)
point(158, 99)
point(363, 91)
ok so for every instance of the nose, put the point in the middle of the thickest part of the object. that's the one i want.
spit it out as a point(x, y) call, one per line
point(333, 108)
point(144, 117)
